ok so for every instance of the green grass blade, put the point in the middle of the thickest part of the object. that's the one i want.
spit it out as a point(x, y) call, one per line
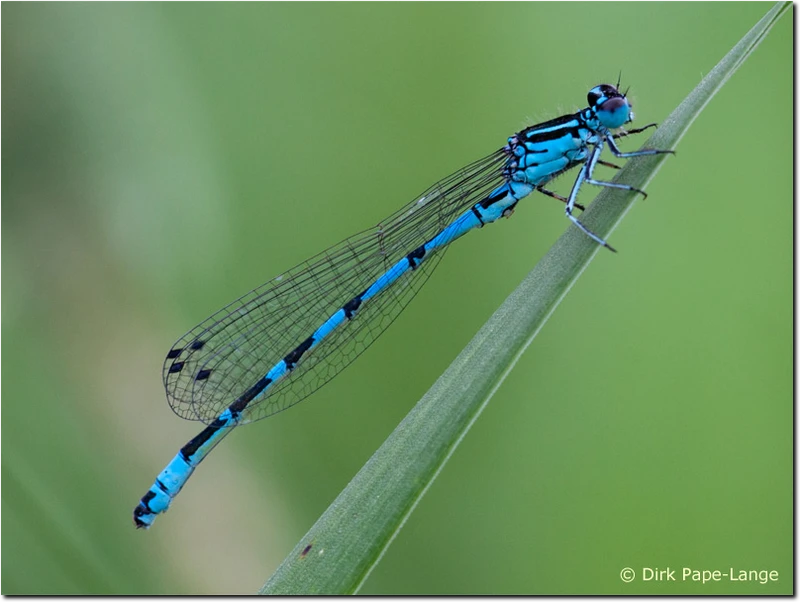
point(340, 550)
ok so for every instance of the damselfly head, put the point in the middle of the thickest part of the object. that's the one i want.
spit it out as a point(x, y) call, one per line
point(610, 105)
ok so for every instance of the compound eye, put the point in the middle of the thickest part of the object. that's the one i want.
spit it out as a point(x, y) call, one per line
point(594, 96)
point(613, 112)
point(613, 104)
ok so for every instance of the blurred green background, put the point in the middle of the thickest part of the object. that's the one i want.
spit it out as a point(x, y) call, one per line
point(159, 160)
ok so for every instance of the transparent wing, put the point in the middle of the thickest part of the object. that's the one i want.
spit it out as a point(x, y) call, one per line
point(238, 345)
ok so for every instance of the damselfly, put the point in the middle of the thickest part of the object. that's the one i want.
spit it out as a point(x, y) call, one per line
point(279, 343)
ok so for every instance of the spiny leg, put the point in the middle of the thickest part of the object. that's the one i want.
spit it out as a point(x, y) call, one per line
point(640, 153)
point(563, 199)
point(616, 185)
point(582, 175)
point(635, 130)
point(595, 159)
point(607, 164)
point(615, 150)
